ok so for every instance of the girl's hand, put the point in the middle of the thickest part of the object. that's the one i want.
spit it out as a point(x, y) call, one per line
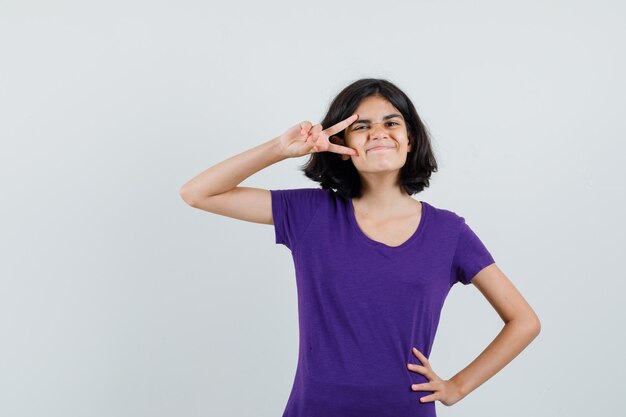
point(303, 139)
point(445, 391)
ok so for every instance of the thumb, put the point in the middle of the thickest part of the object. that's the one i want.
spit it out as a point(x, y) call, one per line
point(314, 133)
point(317, 128)
point(305, 126)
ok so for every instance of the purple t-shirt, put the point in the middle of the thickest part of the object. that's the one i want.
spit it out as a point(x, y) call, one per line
point(362, 305)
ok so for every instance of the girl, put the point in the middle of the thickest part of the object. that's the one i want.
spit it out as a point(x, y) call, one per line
point(373, 265)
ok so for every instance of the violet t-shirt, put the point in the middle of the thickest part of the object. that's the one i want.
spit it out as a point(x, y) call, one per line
point(362, 305)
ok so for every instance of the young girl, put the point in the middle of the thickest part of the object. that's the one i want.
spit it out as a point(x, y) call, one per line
point(373, 265)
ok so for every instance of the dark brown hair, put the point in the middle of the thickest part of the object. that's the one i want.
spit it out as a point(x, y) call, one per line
point(331, 171)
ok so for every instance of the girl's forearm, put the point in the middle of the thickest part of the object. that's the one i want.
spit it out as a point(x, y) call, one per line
point(512, 339)
point(227, 174)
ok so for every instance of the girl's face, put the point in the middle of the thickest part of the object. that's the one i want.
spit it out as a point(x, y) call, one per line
point(380, 136)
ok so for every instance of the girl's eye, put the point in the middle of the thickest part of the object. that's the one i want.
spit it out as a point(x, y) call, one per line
point(358, 127)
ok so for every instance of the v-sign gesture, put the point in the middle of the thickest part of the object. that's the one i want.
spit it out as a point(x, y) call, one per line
point(304, 138)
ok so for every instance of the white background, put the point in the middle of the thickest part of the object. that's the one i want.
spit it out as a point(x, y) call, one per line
point(118, 299)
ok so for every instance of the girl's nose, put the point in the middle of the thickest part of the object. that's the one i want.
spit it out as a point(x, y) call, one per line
point(378, 130)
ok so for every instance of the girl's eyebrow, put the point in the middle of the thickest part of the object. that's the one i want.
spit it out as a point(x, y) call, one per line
point(389, 116)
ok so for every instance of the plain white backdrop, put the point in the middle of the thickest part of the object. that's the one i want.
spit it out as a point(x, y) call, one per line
point(118, 299)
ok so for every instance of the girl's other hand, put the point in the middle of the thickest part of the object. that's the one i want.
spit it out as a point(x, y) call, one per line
point(444, 391)
point(304, 138)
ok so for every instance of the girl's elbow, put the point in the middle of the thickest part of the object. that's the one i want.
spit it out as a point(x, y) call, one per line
point(533, 325)
point(537, 326)
point(529, 324)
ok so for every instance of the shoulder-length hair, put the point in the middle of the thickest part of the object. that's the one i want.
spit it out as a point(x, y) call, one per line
point(331, 171)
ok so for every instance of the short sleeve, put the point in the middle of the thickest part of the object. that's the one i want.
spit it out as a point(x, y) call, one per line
point(470, 256)
point(293, 211)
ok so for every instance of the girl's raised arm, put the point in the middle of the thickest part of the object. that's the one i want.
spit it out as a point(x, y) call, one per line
point(216, 189)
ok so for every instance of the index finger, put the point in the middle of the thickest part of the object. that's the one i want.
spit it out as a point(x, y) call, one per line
point(341, 125)
point(420, 356)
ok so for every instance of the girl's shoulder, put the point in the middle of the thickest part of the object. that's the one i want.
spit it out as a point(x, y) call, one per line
point(440, 214)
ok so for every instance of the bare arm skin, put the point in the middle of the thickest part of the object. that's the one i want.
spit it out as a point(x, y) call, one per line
point(216, 189)
point(521, 326)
